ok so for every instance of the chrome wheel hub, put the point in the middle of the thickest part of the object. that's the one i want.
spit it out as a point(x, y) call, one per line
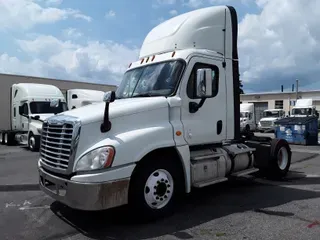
point(158, 189)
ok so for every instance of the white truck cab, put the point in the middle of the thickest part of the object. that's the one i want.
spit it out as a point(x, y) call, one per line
point(30, 106)
point(270, 116)
point(304, 108)
point(81, 97)
point(173, 124)
point(247, 117)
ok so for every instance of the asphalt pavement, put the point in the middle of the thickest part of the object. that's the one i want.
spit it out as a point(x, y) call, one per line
point(250, 208)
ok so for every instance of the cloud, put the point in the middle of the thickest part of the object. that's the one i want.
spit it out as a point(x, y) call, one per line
point(166, 2)
point(280, 44)
point(110, 14)
point(53, 2)
point(95, 61)
point(71, 33)
point(173, 12)
point(203, 3)
point(25, 14)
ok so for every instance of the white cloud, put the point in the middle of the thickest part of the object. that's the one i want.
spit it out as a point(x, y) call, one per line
point(280, 44)
point(202, 3)
point(53, 2)
point(24, 14)
point(95, 61)
point(71, 33)
point(173, 12)
point(110, 14)
point(170, 2)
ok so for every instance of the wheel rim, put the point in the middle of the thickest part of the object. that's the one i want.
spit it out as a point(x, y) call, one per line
point(283, 158)
point(32, 142)
point(158, 189)
point(1, 138)
point(6, 138)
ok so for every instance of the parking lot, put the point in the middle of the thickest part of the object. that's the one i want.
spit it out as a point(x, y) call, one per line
point(251, 208)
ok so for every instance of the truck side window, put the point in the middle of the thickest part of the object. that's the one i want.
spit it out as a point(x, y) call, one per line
point(14, 111)
point(192, 80)
point(25, 109)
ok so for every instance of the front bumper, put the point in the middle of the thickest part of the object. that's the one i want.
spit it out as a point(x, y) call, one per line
point(85, 196)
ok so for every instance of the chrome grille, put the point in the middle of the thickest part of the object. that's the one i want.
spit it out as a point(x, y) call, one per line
point(56, 145)
point(265, 123)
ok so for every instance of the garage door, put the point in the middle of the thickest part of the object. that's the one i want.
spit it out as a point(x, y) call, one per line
point(259, 107)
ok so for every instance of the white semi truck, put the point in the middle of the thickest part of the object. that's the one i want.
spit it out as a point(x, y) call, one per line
point(304, 108)
point(247, 117)
point(173, 124)
point(81, 97)
point(270, 116)
point(30, 105)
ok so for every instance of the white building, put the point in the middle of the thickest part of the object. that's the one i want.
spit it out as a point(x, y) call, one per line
point(278, 100)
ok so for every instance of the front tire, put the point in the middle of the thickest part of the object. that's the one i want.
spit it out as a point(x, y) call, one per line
point(33, 143)
point(155, 188)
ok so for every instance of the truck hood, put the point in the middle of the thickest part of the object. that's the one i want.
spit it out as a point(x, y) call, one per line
point(270, 119)
point(118, 108)
point(42, 116)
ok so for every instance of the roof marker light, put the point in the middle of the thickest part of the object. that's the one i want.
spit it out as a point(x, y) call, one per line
point(142, 60)
point(173, 54)
point(153, 58)
point(147, 59)
point(130, 65)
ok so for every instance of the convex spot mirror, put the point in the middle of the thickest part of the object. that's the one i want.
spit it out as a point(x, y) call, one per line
point(54, 103)
point(204, 82)
point(109, 96)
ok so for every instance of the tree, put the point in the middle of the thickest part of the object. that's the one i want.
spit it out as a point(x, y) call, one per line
point(241, 87)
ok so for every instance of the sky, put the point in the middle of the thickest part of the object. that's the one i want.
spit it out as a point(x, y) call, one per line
point(94, 41)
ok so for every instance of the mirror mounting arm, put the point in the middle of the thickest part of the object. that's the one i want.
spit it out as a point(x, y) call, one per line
point(106, 124)
point(194, 107)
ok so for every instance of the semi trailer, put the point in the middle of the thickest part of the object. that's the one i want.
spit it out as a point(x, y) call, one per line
point(172, 125)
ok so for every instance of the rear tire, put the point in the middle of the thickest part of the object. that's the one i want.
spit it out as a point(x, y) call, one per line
point(2, 138)
point(155, 187)
point(247, 128)
point(280, 160)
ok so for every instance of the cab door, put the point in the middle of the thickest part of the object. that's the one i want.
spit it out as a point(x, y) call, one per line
point(208, 123)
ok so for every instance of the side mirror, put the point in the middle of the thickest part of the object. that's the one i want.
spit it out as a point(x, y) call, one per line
point(204, 82)
point(37, 117)
point(54, 103)
point(109, 96)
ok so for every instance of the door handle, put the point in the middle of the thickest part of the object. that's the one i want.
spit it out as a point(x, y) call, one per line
point(219, 127)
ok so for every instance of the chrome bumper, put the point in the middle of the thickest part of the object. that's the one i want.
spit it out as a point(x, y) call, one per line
point(84, 196)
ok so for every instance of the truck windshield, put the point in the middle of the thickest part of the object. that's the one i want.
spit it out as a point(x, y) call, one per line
point(44, 107)
point(271, 114)
point(302, 111)
point(158, 79)
point(244, 114)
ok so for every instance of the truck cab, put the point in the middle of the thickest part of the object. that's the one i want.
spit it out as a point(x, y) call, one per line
point(31, 104)
point(172, 125)
point(247, 117)
point(81, 97)
point(304, 108)
point(270, 116)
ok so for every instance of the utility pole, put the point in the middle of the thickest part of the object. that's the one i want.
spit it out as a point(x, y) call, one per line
point(297, 85)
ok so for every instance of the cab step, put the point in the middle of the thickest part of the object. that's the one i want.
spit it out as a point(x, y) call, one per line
point(244, 172)
point(209, 182)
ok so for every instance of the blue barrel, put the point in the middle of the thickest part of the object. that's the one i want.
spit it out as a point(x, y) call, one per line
point(298, 130)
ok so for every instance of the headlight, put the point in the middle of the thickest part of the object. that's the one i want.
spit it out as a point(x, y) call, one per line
point(96, 159)
point(39, 130)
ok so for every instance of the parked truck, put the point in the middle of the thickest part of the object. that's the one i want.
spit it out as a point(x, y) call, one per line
point(304, 108)
point(30, 104)
point(81, 97)
point(270, 116)
point(172, 125)
point(247, 117)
